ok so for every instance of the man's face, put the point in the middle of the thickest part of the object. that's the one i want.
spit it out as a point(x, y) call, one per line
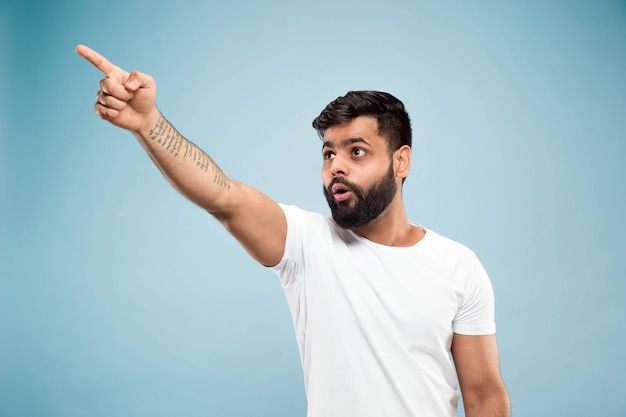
point(358, 174)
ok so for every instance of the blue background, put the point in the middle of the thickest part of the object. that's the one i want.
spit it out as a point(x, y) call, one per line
point(118, 297)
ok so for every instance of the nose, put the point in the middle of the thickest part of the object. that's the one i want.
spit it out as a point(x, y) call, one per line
point(338, 166)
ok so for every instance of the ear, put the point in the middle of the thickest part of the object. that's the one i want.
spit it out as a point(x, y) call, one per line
point(402, 161)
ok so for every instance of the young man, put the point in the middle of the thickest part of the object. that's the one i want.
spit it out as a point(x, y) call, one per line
point(380, 305)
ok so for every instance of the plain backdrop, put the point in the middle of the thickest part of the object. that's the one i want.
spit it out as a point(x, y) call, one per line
point(120, 298)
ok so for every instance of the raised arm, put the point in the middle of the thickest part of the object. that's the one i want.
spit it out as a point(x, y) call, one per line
point(128, 100)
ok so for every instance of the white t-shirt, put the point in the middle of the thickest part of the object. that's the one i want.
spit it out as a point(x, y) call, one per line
point(374, 323)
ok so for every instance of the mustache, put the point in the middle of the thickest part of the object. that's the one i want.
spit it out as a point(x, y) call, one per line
point(341, 180)
point(358, 191)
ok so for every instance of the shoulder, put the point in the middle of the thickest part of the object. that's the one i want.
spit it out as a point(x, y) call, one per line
point(446, 246)
point(295, 214)
point(313, 227)
point(305, 223)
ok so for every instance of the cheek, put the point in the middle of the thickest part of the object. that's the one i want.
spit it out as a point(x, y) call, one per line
point(326, 176)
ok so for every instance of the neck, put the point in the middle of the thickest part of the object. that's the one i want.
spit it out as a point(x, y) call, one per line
point(392, 228)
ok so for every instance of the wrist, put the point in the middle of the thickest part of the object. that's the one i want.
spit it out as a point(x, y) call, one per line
point(150, 121)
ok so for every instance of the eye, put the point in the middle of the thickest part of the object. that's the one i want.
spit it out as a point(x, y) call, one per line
point(359, 152)
point(328, 155)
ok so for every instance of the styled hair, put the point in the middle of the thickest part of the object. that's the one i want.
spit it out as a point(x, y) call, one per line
point(393, 121)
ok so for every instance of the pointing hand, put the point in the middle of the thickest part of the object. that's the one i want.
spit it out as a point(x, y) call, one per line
point(124, 99)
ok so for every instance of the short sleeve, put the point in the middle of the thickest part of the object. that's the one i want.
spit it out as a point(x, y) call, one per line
point(476, 312)
point(288, 268)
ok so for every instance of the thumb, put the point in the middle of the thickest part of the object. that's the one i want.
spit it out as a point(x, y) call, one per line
point(137, 80)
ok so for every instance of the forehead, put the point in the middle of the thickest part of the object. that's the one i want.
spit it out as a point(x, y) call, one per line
point(362, 127)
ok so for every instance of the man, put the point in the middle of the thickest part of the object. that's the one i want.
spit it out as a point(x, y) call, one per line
point(380, 305)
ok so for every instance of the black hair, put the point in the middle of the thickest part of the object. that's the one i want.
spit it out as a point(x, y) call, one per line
point(393, 121)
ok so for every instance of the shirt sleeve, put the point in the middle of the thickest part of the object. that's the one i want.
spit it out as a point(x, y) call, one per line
point(288, 269)
point(476, 313)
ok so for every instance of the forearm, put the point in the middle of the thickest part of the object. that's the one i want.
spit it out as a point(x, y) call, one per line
point(187, 167)
point(127, 100)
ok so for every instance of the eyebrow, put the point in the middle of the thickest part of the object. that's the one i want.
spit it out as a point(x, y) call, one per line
point(345, 142)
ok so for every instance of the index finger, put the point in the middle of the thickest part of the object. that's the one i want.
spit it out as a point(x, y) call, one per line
point(96, 59)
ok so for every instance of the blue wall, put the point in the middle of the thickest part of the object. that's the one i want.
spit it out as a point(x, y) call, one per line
point(118, 297)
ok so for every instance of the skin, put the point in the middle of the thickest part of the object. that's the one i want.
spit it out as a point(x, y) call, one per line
point(352, 150)
point(356, 152)
point(478, 370)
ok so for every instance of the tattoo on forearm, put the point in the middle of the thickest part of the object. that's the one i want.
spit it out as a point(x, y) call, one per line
point(169, 138)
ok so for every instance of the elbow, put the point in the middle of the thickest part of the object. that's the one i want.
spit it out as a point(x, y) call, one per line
point(492, 400)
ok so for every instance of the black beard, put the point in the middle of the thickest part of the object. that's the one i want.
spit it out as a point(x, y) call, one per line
point(368, 205)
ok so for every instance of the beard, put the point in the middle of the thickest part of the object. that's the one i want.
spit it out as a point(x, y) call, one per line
point(369, 203)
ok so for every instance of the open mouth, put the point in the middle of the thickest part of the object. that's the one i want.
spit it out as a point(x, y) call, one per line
point(341, 192)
